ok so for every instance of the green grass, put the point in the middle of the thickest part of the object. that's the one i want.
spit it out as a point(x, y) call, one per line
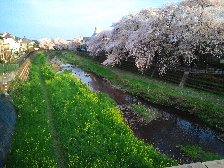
point(195, 152)
point(5, 68)
point(32, 142)
point(206, 106)
point(91, 130)
point(145, 113)
point(85, 63)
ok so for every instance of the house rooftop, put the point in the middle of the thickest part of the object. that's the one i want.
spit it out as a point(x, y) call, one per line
point(6, 35)
point(25, 40)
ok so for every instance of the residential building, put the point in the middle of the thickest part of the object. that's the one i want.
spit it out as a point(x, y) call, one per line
point(1, 47)
point(12, 47)
point(24, 42)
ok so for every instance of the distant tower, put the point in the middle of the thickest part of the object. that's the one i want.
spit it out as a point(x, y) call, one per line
point(97, 31)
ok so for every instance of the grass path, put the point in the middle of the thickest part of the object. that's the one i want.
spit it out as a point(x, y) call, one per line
point(57, 148)
point(35, 141)
point(32, 141)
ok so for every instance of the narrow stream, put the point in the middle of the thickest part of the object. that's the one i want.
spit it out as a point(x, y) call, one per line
point(167, 132)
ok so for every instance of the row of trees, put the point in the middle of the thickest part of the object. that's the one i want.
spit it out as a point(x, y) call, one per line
point(182, 33)
point(60, 44)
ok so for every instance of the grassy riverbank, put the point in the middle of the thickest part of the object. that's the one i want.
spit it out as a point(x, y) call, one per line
point(62, 123)
point(206, 106)
point(32, 141)
point(195, 152)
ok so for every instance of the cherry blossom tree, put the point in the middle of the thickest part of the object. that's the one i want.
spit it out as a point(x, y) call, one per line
point(97, 43)
point(182, 32)
point(124, 35)
point(46, 44)
point(60, 44)
point(74, 43)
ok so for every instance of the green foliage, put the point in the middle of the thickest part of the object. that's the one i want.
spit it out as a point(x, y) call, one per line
point(47, 72)
point(195, 152)
point(32, 144)
point(206, 106)
point(147, 114)
point(4, 68)
point(91, 130)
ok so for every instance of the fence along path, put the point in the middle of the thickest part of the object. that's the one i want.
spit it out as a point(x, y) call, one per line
point(21, 73)
point(212, 81)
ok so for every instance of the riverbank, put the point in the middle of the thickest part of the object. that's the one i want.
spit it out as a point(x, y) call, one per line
point(166, 128)
point(206, 106)
point(61, 122)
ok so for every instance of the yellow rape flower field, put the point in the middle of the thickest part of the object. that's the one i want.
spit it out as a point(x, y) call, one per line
point(62, 123)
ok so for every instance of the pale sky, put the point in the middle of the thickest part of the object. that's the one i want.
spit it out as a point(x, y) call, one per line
point(66, 19)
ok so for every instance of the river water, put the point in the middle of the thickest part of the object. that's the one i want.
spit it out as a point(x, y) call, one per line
point(168, 131)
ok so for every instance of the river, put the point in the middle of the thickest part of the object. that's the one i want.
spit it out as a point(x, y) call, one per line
point(168, 132)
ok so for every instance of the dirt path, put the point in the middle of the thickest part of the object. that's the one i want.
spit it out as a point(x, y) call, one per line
point(57, 148)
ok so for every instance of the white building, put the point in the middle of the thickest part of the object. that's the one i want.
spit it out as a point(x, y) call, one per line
point(97, 31)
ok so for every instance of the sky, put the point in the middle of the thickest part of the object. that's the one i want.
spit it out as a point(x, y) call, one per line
point(66, 19)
